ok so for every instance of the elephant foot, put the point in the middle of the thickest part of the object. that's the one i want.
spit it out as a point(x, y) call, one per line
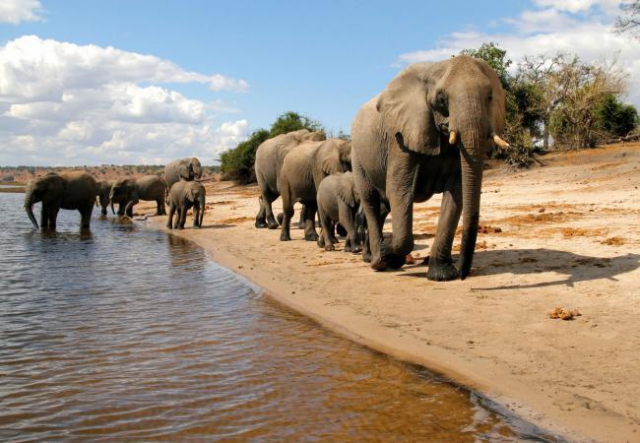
point(301, 225)
point(355, 249)
point(169, 226)
point(273, 225)
point(312, 236)
point(442, 272)
point(285, 237)
point(321, 242)
point(334, 240)
point(366, 257)
point(329, 247)
point(261, 223)
point(388, 258)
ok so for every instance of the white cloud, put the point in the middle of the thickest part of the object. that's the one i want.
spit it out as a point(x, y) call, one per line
point(582, 27)
point(93, 105)
point(17, 11)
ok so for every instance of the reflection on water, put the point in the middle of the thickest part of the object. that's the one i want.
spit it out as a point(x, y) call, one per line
point(130, 334)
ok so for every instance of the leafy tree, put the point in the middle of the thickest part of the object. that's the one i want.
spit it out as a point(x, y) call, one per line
point(292, 121)
point(615, 118)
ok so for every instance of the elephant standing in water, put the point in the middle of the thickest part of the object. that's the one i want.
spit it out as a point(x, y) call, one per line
point(428, 132)
point(104, 189)
point(302, 171)
point(184, 169)
point(75, 190)
point(338, 201)
point(183, 196)
point(269, 158)
point(128, 192)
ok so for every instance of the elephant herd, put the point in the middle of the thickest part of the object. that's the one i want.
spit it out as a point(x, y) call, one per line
point(428, 132)
point(79, 190)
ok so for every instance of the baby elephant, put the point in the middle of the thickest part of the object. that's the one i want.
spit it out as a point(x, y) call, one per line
point(183, 196)
point(338, 201)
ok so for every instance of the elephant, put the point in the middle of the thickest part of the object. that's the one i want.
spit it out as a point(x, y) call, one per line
point(338, 201)
point(269, 158)
point(183, 196)
point(428, 132)
point(104, 189)
point(75, 190)
point(184, 169)
point(302, 171)
point(128, 192)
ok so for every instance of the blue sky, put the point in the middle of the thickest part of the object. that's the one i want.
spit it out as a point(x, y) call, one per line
point(88, 82)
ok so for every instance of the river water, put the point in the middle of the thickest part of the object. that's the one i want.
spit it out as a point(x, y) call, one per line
point(129, 334)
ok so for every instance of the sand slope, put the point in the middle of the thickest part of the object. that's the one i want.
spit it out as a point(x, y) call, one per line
point(570, 237)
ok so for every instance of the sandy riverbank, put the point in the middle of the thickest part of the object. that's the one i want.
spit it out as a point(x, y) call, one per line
point(570, 237)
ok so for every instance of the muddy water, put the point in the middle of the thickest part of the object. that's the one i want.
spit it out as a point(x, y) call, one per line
point(128, 334)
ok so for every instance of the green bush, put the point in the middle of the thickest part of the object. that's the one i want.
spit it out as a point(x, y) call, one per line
point(615, 118)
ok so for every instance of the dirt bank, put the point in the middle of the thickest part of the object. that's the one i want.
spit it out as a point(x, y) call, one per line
point(563, 235)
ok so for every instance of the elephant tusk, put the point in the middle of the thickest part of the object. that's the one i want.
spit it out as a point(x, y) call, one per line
point(452, 137)
point(498, 141)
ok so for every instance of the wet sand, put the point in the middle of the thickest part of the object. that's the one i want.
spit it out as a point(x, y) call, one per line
point(563, 235)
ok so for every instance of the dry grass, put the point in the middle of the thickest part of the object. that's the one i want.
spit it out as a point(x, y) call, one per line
point(579, 232)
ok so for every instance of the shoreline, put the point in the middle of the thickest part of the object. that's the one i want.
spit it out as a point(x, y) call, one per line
point(490, 333)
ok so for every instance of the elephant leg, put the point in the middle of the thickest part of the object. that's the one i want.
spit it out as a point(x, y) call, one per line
point(261, 217)
point(196, 216)
point(403, 170)
point(268, 199)
point(287, 214)
point(85, 217)
point(44, 217)
point(325, 239)
point(160, 205)
point(441, 266)
point(183, 216)
point(129, 208)
point(370, 200)
point(346, 220)
point(310, 209)
point(172, 211)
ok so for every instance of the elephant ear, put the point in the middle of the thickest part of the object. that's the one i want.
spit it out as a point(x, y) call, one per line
point(406, 112)
point(346, 190)
point(190, 193)
point(330, 158)
point(498, 108)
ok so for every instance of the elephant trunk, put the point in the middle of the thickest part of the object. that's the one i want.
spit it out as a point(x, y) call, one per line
point(28, 206)
point(472, 152)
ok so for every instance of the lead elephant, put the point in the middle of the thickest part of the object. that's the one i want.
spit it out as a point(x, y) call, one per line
point(428, 132)
point(338, 201)
point(184, 169)
point(183, 196)
point(269, 158)
point(128, 192)
point(74, 190)
point(104, 189)
point(302, 171)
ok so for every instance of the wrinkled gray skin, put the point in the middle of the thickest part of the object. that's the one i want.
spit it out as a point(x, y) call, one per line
point(104, 189)
point(74, 190)
point(402, 154)
point(129, 191)
point(269, 159)
point(338, 201)
point(184, 169)
point(183, 196)
point(302, 171)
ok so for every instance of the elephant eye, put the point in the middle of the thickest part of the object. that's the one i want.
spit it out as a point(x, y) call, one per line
point(490, 97)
